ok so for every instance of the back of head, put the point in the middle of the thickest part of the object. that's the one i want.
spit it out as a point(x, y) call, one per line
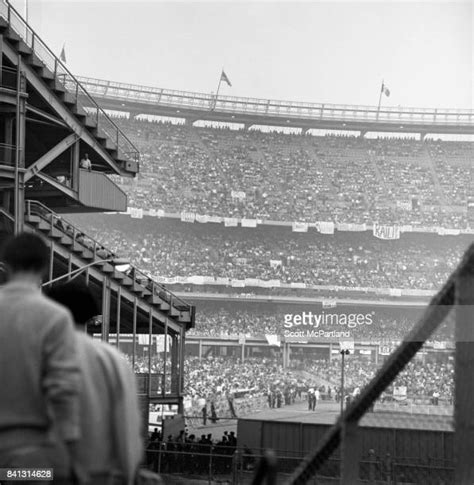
point(77, 298)
point(25, 253)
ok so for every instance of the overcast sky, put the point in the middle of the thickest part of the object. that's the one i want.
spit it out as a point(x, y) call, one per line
point(328, 52)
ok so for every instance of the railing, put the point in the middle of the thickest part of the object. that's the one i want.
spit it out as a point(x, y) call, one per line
point(9, 79)
point(277, 108)
point(7, 154)
point(98, 250)
point(68, 80)
point(239, 465)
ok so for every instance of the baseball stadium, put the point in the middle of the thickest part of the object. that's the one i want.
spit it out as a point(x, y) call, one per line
point(291, 282)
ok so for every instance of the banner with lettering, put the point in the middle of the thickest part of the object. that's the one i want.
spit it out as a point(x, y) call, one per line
point(275, 263)
point(300, 227)
point(230, 222)
point(325, 227)
point(404, 205)
point(136, 213)
point(202, 218)
point(237, 283)
point(237, 194)
point(386, 232)
point(188, 216)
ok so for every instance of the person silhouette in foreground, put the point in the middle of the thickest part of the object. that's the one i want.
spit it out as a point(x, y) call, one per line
point(39, 367)
point(110, 449)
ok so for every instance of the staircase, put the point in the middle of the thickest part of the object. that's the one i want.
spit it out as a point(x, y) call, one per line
point(38, 61)
point(74, 250)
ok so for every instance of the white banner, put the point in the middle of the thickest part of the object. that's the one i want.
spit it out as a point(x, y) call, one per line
point(136, 213)
point(386, 232)
point(230, 222)
point(160, 213)
point(275, 263)
point(442, 231)
point(400, 393)
point(329, 303)
point(143, 339)
point(249, 222)
point(188, 216)
point(298, 285)
point(404, 205)
point(237, 283)
point(300, 227)
point(217, 219)
point(347, 345)
point(252, 282)
point(202, 218)
point(222, 281)
point(274, 340)
point(325, 227)
point(349, 227)
point(152, 213)
point(237, 194)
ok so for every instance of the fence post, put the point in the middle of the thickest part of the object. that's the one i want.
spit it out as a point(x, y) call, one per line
point(210, 465)
point(464, 374)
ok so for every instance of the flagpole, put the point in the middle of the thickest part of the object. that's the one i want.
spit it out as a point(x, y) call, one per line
point(380, 100)
point(218, 88)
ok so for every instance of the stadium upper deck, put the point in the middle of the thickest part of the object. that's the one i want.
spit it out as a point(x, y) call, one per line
point(252, 111)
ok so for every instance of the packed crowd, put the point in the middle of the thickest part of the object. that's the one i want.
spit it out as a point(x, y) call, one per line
point(166, 248)
point(225, 387)
point(421, 379)
point(252, 320)
point(307, 178)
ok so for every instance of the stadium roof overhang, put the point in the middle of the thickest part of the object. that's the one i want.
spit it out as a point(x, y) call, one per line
point(249, 111)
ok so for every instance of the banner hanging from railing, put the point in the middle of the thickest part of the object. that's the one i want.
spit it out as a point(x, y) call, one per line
point(300, 227)
point(386, 232)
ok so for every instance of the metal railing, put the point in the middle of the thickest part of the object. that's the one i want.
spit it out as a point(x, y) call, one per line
point(7, 154)
point(68, 80)
point(277, 108)
point(239, 465)
point(98, 250)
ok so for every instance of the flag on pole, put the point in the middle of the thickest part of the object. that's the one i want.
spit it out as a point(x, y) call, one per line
point(225, 78)
point(385, 90)
point(62, 56)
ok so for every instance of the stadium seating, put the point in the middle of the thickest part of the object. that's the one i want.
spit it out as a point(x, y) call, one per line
point(304, 178)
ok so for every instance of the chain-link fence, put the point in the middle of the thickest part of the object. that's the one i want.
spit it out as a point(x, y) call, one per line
point(428, 448)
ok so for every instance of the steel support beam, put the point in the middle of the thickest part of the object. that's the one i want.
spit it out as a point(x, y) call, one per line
point(47, 116)
point(62, 188)
point(50, 156)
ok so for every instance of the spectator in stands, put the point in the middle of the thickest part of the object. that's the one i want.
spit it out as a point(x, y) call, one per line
point(86, 163)
point(39, 370)
point(110, 444)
